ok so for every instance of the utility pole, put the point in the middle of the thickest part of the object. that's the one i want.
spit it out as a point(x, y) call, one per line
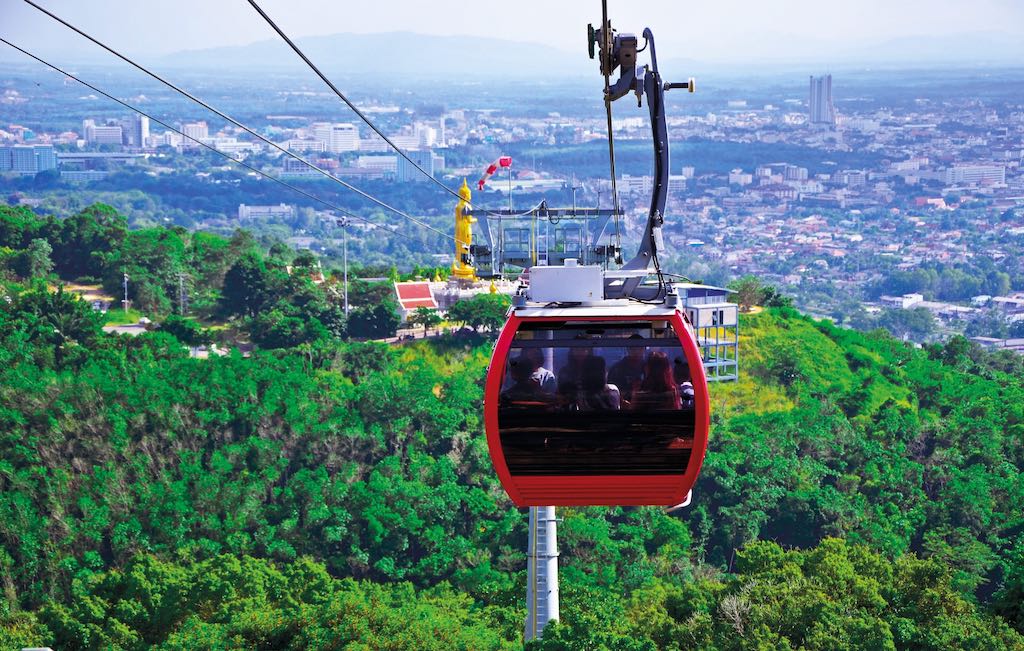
point(586, 229)
point(125, 302)
point(182, 294)
point(541, 571)
point(344, 230)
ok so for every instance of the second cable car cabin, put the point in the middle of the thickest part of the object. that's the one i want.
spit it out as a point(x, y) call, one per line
point(601, 405)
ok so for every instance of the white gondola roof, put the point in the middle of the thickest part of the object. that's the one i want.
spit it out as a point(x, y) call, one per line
point(606, 308)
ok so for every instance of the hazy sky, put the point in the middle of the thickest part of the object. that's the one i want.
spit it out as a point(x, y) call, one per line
point(720, 30)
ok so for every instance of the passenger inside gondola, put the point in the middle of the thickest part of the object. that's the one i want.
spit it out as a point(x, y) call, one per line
point(543, 376)
point(595, 393)
point(525, 392)
point(681, 374)
point(572, 372)
point(657, 390)
point(627, 373)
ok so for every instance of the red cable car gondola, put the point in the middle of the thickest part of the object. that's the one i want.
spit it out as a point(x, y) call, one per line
point(596, 393)
point(603, 405)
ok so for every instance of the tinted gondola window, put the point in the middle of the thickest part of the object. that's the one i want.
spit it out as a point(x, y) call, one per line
point(596, 399)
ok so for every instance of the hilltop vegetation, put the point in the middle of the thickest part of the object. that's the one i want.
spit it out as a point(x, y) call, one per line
point(278, 298)
point(858, 493)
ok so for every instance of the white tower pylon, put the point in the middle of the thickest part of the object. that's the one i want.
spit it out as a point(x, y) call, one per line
point(541, 571)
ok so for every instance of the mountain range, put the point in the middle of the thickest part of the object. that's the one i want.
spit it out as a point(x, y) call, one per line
point(406, 54)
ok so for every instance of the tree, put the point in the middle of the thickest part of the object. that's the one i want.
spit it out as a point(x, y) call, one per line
point(247, 287)
point(1009, 601)
point(280, 254)
point(916, 323)
point(374, 321)
point(186, 330)
point(85, 241)
point(772, 297)
point(35, 260)
point(363, 293)
point(18, 225)
point(277, 329)
point(990, 323)
point(426, 317)
point(305, 260)
point(749, 292)
point(62, 320)
point(482, 311)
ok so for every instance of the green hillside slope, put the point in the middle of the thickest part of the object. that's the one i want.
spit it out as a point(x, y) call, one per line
point(858, 493)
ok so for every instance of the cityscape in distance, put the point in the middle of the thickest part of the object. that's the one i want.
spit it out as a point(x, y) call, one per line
point(862, 195)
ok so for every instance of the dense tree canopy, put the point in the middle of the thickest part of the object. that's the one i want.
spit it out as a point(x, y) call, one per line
point(858, 492)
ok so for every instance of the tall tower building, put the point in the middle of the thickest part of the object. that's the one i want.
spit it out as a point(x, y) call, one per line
point(337, 137)
point(197, 130)
point(136, 130)
point(822, 111)
point(101, 134)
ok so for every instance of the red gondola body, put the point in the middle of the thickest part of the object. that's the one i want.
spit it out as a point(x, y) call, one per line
point(628, 455)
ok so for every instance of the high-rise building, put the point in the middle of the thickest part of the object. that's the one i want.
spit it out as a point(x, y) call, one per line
point(337, 137)
point(46, 158)
point(102, 134)
point(405, 141)
point(197, 130)
point(27, 159)
point(282, 210)
point(386, 164)
point(976, 174)
point(135, 130)
point(821, 109)
point(428, 160)
point(23, 159)
point(426, 135)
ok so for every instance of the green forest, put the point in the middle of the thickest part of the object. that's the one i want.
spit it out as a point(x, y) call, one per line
point(328, 493)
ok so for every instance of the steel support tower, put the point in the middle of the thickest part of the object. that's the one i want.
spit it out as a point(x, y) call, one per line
point(541, 571)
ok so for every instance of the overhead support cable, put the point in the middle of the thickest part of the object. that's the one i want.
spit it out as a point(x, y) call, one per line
point(355, 109)
point(238, 124)
point(203, 144)
point(345, 99)
point(606, 48)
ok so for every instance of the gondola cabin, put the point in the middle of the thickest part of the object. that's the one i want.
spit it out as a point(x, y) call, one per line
point(597, 405)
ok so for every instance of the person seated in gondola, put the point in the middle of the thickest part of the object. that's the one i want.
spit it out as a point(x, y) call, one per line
point(657, 390)
point(544, 377)
point(595, 393)
point(681, 374)
point(629, 371)
point(526, 391)
point(570, 376)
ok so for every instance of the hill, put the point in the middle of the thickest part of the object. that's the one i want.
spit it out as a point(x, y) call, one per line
point(392, 54)
point(858, 493)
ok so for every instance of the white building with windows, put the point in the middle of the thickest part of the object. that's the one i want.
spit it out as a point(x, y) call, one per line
point(976, 175)
point(264, 212)
point(102, 134)
point(337, 137)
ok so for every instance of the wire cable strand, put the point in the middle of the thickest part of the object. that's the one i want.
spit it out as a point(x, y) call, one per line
point(199, 142)
point(238, 124)
point(356, 110)
point(606, 36)
point(345, 99)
